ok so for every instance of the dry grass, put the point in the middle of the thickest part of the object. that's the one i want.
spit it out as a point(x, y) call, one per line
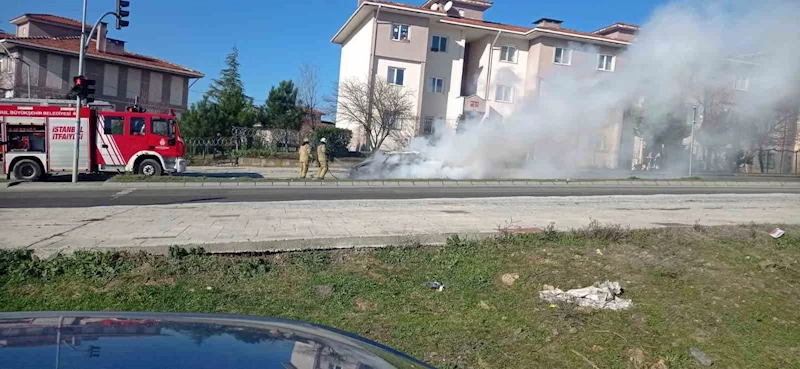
point(731, 291)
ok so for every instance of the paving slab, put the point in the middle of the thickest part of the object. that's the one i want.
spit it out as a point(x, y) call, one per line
point(285, 225)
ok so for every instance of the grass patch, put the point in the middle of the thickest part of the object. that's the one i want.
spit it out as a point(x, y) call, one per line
point(730, 291)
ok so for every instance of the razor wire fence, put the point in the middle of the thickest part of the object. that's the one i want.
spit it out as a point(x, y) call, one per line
point(243, 142)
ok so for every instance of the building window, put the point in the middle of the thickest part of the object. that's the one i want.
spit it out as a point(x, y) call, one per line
point(114, 125)
point(427, 125)
point(508, 54)
point(741, 83)
point(439, 44)
point(396, 76)
point(399, 32)
point(55, 64)
point(154, 89)
point(562, 56)
point(332, 366)
point(176, 90)
point(605, 62)
point(134, 86)
point(504, 94)
point(436, 85)
point(111, 80)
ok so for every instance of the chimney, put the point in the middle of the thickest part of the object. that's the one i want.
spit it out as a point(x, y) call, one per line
point(100, 37)
point(548, 23)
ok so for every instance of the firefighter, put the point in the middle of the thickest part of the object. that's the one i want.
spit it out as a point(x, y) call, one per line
point(322, 158)
point(305, 156)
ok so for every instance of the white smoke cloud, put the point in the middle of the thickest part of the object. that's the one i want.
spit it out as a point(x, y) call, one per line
point(684, 47)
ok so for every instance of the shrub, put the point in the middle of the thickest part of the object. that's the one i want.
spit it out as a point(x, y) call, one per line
point(338, 139)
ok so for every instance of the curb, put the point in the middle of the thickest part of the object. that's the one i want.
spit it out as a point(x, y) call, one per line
point(515, 183)
point(288, 245)
point(400, 184)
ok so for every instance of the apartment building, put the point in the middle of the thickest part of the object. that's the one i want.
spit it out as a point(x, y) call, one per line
point(463, 67)
point(48, 47)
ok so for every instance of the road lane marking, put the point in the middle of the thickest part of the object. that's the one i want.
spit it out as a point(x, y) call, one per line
point(122, 193)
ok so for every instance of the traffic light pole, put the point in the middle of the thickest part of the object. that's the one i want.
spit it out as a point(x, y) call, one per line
point(81, 52)
point(81, 56)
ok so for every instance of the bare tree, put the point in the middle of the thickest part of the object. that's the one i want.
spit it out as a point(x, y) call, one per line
point(717, 130)
point(6, 74)
point(309, 89)
point(401, 137)
point(776, 130)
point(377, 110)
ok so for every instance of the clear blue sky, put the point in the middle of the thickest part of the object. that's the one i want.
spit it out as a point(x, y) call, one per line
point(275, 37)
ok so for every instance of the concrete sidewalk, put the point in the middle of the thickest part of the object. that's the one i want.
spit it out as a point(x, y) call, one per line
point(277, 226)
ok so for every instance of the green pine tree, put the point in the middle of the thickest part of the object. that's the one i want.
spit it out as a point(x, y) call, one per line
point(201, 120)
point(282, 110)
point(227, 92)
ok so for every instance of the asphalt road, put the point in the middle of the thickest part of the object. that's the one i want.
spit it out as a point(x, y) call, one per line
point(21, 197)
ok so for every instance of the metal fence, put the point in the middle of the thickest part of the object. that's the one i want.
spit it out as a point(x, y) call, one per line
point(768, 161)
point(242, 142)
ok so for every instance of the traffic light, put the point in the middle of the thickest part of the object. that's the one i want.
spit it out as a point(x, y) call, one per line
point(83, 88)
point(89, 90)
point(78, 86)
point(122, 13)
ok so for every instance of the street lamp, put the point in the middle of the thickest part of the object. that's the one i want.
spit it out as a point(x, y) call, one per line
point(23, 62)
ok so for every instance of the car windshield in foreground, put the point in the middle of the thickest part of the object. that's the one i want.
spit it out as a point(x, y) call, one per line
point(144, 340)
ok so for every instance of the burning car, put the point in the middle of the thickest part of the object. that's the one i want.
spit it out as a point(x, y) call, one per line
point(395, 164)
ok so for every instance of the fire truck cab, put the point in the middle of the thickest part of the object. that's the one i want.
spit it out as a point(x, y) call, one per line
point(38, 139)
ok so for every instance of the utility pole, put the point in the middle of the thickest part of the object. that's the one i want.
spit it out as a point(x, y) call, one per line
point(691, 143)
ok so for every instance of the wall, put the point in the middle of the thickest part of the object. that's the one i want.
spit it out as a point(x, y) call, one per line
point(355, 64)
point(470, 11)
point(415, 48)
point(583, 62)
point(412, 79)
point(477, 61)
point(621, 34)
point(52, 73)
point(509, 74)
point(37, 29)
point(449, 66)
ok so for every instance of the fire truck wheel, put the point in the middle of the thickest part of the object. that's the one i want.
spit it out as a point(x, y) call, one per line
point(150, 167)
point(27, 170)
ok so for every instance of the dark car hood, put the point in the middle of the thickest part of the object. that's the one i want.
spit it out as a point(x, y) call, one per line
point(90, 340)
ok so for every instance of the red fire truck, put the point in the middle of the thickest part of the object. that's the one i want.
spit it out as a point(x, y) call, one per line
point(39, 139)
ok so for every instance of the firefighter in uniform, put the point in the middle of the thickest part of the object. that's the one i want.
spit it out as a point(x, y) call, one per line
point(322, 158)
point(305, 157)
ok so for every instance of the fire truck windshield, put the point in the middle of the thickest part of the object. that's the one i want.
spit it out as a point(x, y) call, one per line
point(163, 127)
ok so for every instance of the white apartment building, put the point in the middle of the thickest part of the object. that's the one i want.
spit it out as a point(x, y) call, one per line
point(460, 66)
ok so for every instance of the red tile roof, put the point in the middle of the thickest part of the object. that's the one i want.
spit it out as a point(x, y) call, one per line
point(480, 23)
point(618, 24)
point(54, 19)
point(580, 33)
point(71, 45)
point(485, 3)
point(494, 25)
point(401, 5)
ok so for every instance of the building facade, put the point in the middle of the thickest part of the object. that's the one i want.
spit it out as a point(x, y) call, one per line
point(461, 67)
point(48, 47)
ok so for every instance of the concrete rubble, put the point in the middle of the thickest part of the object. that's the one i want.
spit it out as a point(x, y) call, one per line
point(601, 296)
